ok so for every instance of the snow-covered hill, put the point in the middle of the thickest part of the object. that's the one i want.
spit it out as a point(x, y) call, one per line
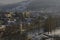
point(20, 6)
point(45, 5)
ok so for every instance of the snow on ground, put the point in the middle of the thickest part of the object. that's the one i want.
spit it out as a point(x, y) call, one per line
point(54, 32)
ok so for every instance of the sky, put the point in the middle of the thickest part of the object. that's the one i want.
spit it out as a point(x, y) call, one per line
point(9, 1)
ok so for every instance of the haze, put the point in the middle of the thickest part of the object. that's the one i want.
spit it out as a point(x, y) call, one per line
point(9, 1)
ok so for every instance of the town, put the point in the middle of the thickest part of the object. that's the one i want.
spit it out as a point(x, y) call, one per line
point(26, 25)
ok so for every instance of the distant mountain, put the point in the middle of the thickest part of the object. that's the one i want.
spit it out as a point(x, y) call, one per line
point(1, 4)
point(34, 5)
point(20, 6)
point(45, 5)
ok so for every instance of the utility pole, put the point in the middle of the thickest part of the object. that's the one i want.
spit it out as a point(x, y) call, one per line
point(21, 28)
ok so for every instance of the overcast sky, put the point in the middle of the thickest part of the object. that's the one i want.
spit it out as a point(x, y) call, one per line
point(10, 1)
